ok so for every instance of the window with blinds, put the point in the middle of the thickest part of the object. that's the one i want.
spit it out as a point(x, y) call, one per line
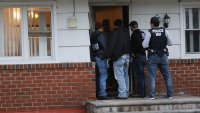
point(192, 30)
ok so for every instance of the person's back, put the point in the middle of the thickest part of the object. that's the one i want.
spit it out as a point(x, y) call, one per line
point(156, 40)
point(99, 45)
point(120, 36)
point(119, 52)
point(95, 46)
point(136, 42)
point(106, 29)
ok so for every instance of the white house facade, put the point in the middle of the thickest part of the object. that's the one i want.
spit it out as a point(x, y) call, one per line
point(45, 47)
point(38, 31)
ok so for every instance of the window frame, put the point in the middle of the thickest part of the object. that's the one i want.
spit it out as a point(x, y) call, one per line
point(183, 6)
point(26, 58)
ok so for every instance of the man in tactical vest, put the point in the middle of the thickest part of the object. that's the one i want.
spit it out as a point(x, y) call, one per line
point(98, 46)
point(156, 40)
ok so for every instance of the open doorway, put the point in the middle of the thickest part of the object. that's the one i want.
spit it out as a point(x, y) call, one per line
point(110, 13)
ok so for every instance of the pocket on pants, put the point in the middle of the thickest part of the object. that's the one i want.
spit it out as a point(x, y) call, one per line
point(153, 59)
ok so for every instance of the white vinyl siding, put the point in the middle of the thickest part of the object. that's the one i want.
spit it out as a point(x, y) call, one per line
point(73, 43)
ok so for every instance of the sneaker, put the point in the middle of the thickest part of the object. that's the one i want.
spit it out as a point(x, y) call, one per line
point(170, 98)
point(150, 98)
point(103, 98)
point(122, 98)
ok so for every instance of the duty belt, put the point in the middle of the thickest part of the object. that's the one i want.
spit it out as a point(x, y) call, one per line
point(160, 52)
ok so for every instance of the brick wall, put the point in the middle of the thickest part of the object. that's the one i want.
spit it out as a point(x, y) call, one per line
point(39, 86)
point(186, 78)
point(43, 86)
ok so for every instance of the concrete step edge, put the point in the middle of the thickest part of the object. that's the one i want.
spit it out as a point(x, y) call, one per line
point(143, 101)
point(164, 111)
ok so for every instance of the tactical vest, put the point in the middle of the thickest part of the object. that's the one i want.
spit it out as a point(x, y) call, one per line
point(158, 42)
point(158, 39)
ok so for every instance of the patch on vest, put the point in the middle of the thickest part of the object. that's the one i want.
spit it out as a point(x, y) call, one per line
point(95, 47)
point(158, 32)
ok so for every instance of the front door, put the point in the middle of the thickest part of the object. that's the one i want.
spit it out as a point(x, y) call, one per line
point(110, 13)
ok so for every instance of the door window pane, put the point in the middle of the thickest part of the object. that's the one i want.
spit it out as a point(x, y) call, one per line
point(39, 31)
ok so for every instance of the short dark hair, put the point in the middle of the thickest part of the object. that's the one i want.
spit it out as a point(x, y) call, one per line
point(106, 25)
point(133, 24)
point(118, 22)
point(98, 25)
point(155, 21)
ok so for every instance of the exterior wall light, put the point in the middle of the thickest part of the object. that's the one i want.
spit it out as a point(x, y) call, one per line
point(166, 21)
point(72, 22)
point(72, 19)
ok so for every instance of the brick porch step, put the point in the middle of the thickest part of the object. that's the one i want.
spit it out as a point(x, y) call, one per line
point(181, 104)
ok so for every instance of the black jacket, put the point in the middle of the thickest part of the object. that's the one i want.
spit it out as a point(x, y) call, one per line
point(98, 37)
point(136, 42)
point(119, 43)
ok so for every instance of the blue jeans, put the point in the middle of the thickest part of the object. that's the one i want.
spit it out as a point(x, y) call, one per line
point(120, 67)
point(162, 63)
point(138, 68)
point(102, 76)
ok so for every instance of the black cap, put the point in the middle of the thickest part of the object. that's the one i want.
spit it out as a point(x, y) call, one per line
point(133, 24)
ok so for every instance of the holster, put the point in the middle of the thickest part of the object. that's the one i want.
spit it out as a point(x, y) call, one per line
point(151, 52)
